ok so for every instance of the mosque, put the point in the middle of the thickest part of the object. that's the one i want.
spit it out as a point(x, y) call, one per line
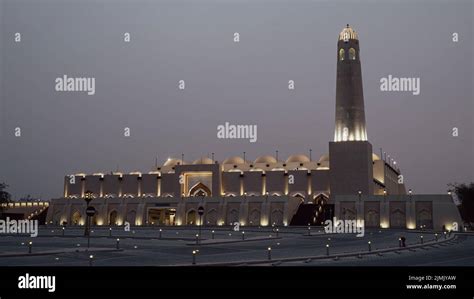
point(350, 182)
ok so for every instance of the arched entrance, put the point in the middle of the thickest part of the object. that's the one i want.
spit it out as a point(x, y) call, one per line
point(191, 217)
point(113, 218)
point(277, 217)
point(76, 218)
point(131, 215)
point(254, 217)
point(211, 217)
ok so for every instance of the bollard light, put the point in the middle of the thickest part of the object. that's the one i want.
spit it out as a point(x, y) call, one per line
point(327, 249)
point(370, 245)
point(30, 246)
point(421, 239)
point(277, 230)
point(194, 257)
point(91, 258)
point(436, 237)
point(63, 230)
point(197, 238)
point(269, 253)
point(110, 232)
point(309, 230)
point(243, 235)
point(212, 235)
point(160, 232)
point(445, 234)
point(399, 242)
point(117, 245)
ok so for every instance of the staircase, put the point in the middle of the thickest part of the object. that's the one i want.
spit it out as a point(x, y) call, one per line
point(312, 214)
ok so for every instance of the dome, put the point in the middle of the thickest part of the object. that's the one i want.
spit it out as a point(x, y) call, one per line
point(348, 33)
point(265, 159)
point(297, 158)
point(203, 160)
point(324, 158)
point(234, 160)
point(375, 157)
point(172, 162)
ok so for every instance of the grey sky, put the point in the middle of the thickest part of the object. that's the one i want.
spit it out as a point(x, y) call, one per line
point(242, 83)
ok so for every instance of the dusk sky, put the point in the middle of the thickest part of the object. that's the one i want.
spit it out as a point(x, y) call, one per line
point(136, 84)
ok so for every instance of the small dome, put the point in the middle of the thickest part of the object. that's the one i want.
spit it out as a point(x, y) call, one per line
point(234, 160)
point(324, 158)
point(375, 157)
point(265, 159)
point(297, 158)
point(348, 33)
point(203, 160)
point(172, 162)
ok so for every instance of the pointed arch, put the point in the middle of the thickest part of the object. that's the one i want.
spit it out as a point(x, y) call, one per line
point(341, 54)
point(191, 217)
point(76, 218)
point(199, 189)
point(113, 215)
point(352, 54)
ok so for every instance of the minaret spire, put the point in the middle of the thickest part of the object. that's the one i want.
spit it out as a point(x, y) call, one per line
point(350, 115)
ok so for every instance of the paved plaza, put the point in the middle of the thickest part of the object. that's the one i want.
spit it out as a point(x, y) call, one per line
point(290, 246)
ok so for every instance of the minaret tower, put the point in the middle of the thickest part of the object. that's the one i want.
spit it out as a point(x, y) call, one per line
point(350, 116)
point(350, 155)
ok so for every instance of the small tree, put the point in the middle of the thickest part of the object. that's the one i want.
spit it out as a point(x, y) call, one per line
point(5, 197)
point(465, 193)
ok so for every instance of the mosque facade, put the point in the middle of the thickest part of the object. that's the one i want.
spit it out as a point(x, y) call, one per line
point(350, 182)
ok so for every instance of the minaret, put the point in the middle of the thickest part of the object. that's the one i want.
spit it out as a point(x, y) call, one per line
point(350, 116)
point(350, 155)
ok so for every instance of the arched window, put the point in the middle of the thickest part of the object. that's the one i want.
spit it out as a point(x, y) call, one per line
point(352, 54)
point(341, 54)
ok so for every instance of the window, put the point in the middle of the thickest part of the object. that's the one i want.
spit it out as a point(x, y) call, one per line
point(341, 54)
point(352, 54)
